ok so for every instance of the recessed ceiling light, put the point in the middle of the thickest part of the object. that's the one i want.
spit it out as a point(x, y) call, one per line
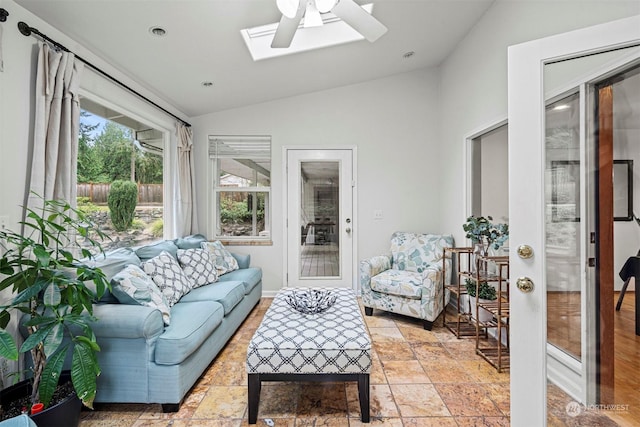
point(408, 55)
point(207, 84)
point(158, 31)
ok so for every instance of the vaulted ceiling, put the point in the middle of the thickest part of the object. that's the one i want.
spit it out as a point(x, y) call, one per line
point(203, 44)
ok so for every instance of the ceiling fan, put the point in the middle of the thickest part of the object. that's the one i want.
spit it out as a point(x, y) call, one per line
point(347, 10)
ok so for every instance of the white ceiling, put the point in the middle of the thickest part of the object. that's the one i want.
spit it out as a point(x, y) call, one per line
point(203, 43)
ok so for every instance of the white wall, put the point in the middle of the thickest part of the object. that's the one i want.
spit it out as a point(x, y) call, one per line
point(474, 77)
point(393, 122)
point(495, 175)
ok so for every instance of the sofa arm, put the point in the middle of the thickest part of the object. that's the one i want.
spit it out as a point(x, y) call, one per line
point(375, 265)
point(372, 267)
point(243, 260)
point(434, 296)
point(126, 321)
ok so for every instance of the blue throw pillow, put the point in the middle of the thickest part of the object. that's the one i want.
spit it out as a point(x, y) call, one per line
point(154, 249)
point(190, 242)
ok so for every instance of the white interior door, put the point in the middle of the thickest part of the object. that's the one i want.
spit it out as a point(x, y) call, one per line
point(320, 228)
point(527, 202)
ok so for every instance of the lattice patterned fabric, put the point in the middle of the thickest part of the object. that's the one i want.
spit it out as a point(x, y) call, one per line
point(167, 274)
point(225, 262)
point(198, 265)
point(335, 341)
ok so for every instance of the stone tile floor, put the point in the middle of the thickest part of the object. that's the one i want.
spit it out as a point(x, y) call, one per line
point(419, 379)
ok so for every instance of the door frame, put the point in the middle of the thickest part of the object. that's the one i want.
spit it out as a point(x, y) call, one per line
point(526, 128)
point(467, 161)
point(354, 205)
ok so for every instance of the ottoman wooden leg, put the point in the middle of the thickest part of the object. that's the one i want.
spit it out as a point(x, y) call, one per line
point(363, 394)
point(254, 397)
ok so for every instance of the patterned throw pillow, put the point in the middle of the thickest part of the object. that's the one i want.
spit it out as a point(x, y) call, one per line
point(198, 265)
point(225, 262)
point(133, 286)
point(167, 274)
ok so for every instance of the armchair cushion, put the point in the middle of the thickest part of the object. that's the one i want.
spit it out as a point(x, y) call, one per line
point(415, 252)
point(403, 283)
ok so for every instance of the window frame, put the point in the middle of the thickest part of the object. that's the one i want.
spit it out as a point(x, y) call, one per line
point(215, 190)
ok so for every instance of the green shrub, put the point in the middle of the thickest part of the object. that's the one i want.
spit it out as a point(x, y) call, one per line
point(122, 200)
point(138, 224)
point(157, 228)
point(232, 212)
point(485, 290)
point(86, 206)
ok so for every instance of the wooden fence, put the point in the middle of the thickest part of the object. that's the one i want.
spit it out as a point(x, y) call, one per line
point(148, 194)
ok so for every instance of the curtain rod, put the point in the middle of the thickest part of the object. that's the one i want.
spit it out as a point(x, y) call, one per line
point(26, 30)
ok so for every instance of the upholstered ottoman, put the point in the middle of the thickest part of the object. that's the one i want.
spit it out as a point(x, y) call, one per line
point(330, 346)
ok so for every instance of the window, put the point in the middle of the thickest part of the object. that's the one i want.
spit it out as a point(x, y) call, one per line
point(113, 146)
point(241, 171)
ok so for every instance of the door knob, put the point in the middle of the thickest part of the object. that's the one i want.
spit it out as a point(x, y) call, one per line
point(348, 230)
point(525, 251)
point(524, 284)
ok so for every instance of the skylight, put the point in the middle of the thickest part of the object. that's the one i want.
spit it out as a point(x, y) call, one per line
point(333, 32)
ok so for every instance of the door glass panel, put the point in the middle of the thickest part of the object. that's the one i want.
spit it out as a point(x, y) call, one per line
point(563, 224)
point(579, 371)
point(319, 239)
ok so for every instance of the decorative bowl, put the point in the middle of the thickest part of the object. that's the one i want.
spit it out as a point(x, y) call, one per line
point(311, 301)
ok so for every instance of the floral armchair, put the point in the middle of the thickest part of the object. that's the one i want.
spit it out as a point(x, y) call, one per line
point(407, 281)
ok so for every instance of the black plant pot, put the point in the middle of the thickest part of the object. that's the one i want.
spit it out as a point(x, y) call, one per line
point(64, 414)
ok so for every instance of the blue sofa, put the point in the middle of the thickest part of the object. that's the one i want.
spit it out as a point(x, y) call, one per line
point(144, 361)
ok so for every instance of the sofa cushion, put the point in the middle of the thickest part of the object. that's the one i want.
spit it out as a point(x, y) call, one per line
point(154, 249)
point(229, 294)
point(133, 286)
point(198, 265)
point(167, 274)
point(191, 324)
point(402, 283)
point(243, 260)
point(190, 242)
point(415, 252)
point(111, 263)
point(250, 277)
point(225, 262)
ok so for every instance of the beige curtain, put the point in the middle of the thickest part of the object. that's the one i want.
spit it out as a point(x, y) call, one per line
point(56, 128)
point(186, 209)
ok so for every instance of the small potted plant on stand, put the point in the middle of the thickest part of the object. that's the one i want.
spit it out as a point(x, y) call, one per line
point(50, 288)
point(485, 235)
point(485, 293)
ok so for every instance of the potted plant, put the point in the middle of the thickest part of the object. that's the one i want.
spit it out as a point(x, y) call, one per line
point(51, 288)
point(483, 232)
point(485, 293)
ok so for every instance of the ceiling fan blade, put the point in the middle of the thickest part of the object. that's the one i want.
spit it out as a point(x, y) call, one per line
point(358, 18)
point(287, 28)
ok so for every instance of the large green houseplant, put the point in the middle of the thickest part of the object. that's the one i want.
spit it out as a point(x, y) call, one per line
point(42, 267)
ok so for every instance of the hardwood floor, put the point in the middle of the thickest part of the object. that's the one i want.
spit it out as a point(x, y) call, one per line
point(320, 260)
point(564, 331)
point(627, 364)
